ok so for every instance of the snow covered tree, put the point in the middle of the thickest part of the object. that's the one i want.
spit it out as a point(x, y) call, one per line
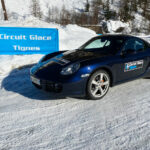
point(107, 10)
point(146, 9)
point(49, 16)
point(112, 1)
point(87, 6)
point(134, 5)
point(36, 9)
point(139, 2)
point(95, 12)
point(125, 12)
point(4, 10)
point(64, 16)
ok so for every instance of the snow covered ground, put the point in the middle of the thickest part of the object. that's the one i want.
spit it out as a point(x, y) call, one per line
point(31, 119)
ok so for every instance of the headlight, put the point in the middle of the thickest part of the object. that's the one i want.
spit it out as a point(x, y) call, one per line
point(70, 69)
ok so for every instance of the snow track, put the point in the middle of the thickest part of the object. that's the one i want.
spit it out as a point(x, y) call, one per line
point(33, 119)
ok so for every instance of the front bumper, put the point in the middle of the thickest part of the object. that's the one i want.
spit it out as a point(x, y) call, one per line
point(70, 89)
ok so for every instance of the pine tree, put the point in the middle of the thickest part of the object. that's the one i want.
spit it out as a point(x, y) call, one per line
point(49, 19)
point(65, 16)
point(95, 11)
point(87, 7)
point(145, 9)
point(36, 9)
point(134, 5)
point(112, 1)
point(139, 2)
point(125, 11)
point(107, 10)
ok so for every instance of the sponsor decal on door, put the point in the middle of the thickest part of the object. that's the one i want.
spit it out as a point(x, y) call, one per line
point(130, 66)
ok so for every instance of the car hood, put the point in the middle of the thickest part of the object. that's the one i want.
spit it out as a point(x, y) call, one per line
point(54, 65)
point(82, 55)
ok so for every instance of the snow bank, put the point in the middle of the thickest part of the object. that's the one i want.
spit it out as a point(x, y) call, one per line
point(113, 26)
point(71, 37)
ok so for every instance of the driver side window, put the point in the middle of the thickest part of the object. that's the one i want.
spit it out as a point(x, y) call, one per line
point(140, 45)
point(134, 45)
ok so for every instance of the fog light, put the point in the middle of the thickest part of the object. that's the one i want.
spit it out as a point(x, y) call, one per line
point(58, 87)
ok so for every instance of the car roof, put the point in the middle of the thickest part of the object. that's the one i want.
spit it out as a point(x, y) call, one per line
point(118, 35)
point(123, 36)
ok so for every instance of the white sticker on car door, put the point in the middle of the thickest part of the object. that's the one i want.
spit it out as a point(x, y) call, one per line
point(130, 66)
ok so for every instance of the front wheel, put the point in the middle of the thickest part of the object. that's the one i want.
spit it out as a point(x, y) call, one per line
point(98, 85)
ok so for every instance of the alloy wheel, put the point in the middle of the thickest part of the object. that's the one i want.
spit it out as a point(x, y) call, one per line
point(99, 85)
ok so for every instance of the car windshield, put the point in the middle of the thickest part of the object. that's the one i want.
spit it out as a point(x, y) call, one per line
point(112, 44)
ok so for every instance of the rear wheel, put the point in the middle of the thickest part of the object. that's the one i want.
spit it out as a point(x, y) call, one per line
point(98, 85)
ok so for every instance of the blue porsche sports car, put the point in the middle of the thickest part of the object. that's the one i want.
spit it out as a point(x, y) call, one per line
point(89, 71)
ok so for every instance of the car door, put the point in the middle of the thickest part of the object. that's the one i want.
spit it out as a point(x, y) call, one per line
point(132, 61)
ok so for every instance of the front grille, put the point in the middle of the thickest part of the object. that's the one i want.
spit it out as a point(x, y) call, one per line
point(50, 86)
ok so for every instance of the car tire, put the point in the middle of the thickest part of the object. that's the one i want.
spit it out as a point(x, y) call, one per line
point(98, 85)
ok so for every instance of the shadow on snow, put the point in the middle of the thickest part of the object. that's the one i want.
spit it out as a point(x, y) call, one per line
point(18, 81)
